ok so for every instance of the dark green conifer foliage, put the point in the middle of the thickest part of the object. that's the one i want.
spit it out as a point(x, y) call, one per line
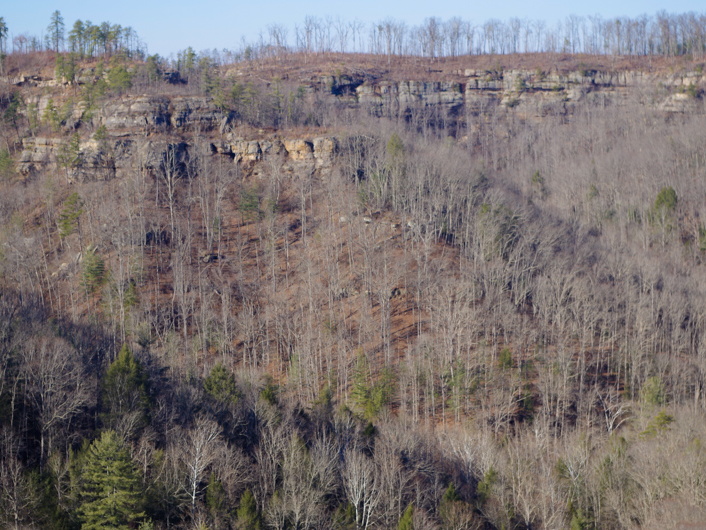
point(110, 495)
point(6, 164)
point(70, 215)
point(125, 391)
point(221, 386)
point(344, 517)
point(371, 394)
point(55, 31)
point(69, 156)
point(247, 514)
point(119, 77)
point(666, 199)
point(94, 271)
point(451, 495)
point(217, 501)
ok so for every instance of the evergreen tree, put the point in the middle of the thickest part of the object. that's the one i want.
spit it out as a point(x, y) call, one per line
point(94, 271)
point(221, 386)
point(247, 514)
point(125, 392)
point(6, 164)
point(65, 69)
point(119, 77)
point(453, 511)
point(51, 116)
point(451, 495)
point(371, 394)
point(153, 68)
point(217, 501)
point(3, 35)
point(69, 156)
point(55, 31)
point(12, 114)
point(77, 38)
point(70, 216)
point(110, 494)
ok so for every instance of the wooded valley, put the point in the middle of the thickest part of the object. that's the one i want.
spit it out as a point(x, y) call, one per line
point(313, 289)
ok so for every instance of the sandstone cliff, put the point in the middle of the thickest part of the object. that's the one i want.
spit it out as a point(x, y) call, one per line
point(130, 121)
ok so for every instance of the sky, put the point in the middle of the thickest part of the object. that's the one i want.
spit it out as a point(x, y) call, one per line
point(168, 27)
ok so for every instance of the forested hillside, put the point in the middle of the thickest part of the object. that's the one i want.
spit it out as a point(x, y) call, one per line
point(305, 289)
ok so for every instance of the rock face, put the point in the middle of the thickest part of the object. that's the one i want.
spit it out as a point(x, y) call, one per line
point(136, 113)
point(524, 92)
point(112, 157)
point(38, 152)
point(325, 149)
point(302, 152)
point(194, 113)
point(132, 121)
point(156, 113)
point(408, 94)
point(299, 149)
point(680, 102)
point(94, 161)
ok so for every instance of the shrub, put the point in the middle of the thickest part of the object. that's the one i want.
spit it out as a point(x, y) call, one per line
point(666, 200)
point(659, 423)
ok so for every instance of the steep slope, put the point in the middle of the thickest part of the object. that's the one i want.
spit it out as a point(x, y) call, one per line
point(314, 262)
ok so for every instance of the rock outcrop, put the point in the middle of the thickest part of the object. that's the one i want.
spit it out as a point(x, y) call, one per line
point(527, 93)
point(115, 155)
point(134, 114)
point(154, 113)
point(131, 122)
point(315, 152)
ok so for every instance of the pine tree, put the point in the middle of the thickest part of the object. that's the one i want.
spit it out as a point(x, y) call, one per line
point(3, 35)
point(77, 38)
point(51, 116)
point(55, 31)
point(110, 495)
point(371, 395)
point(217, 501)
point(221, 386)
point(94, 271)
point(3, 40)
point(125, 391)
point(119, 77)
point(69, 156)
point(70, 216)
point(247, 514)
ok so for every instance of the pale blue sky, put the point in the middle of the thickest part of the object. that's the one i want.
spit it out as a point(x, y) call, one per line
point(167, 27)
